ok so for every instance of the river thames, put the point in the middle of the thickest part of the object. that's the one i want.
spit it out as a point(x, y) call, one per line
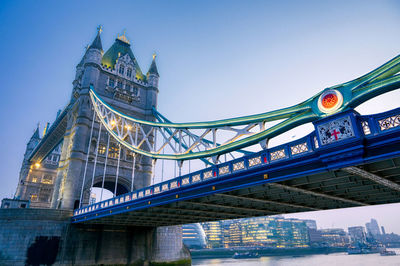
point(340, 259)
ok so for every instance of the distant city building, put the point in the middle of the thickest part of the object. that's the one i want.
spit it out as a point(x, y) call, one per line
point(193, 236)
point(232, 233)
point(316, 239)
point(311, 224)
point(292, 233)
point(389, 240)
point(383, 230)
point(257, 232)
point(372, 228)
point(213, 233)
point(14, 203)
point(357, 234)
point(335, 237)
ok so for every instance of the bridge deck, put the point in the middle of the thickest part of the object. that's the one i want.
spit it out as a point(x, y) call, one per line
point(360, 171)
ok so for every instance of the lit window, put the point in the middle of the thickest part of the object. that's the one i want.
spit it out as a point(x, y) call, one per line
point(102, 148)
point(47, 179)
point(33, 197)
point(113, 151)
point(129, 155)
point(129, 72)
point(34, 179)
point(111, 82)
point(121, 69)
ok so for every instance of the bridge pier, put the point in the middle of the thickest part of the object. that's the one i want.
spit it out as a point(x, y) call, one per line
point(46, 236)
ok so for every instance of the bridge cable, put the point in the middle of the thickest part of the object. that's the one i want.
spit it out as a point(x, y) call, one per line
point(116, 177)
point(134, 158)
point(133, 171)
point(154, 160)
point(162, 167)
point(105, 167)
point(95, 157)
point(175, 163)
point(189, 160)
point(87, 159)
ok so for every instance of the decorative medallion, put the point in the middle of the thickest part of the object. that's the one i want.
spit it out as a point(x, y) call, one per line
point(335, 130)
point(330, 101)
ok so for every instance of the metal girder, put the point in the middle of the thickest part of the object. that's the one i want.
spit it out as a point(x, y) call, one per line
point(199, 140)
point(226, 215)
point(243, 209)
point(263, 201)
point(316, 194)
point(370, 176)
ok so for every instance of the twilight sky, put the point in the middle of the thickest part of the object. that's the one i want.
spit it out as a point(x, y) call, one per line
point(217, 59)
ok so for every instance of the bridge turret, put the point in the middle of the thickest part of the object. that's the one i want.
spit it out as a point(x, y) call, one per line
point(94, 52)
point(32, 143)
point(30, 146)
point(91, 62)
point(152, 74)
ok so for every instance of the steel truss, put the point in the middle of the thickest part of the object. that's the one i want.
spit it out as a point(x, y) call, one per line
point(205, 140)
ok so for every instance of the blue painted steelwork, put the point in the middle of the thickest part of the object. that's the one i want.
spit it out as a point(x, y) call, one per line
point(330, 101)
point(376, 140)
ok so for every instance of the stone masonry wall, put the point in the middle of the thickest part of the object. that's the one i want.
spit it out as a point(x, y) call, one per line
point(46, 237)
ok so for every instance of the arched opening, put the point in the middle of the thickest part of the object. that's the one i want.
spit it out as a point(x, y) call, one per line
point(98, 194)
point(110, 186)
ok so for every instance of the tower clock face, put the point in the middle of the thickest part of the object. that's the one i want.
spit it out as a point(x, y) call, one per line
point(330, 101)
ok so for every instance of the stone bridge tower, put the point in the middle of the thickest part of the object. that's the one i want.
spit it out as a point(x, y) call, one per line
point(116, 76)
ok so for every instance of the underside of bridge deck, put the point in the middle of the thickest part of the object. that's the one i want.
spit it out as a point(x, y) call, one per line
point(363, 185)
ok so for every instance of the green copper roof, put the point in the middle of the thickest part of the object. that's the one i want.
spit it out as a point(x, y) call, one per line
point(120, 48)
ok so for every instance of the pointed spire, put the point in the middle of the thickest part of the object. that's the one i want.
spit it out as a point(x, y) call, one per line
point(96, 44)
point(36, 133)
point(153, 67)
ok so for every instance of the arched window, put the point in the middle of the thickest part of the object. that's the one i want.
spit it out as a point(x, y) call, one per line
point(121, 69)
point(111, 83)
point(47, 179)
point(93, 146)
point(129, 72)
point(113, 151)
point(102, 149)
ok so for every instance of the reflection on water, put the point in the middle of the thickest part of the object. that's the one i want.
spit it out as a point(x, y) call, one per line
point(340, 259)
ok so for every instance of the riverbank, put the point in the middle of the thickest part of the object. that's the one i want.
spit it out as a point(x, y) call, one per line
point(264, 251)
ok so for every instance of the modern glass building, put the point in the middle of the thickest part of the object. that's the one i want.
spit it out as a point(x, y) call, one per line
point(214, 236)
point(357, 234)
point(193, 236)
point(257, 232)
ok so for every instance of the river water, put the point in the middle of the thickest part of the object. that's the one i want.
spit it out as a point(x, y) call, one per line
point(339, 259)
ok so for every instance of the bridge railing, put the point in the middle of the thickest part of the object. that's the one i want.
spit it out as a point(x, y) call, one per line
point(370, 125)
point(294, 149)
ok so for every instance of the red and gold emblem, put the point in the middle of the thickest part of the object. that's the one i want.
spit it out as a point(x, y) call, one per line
point(330, 101)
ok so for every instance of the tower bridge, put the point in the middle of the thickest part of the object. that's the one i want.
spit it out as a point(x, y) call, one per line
point(111, 135)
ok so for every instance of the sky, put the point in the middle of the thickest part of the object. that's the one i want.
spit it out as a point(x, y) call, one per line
point(216, 59)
